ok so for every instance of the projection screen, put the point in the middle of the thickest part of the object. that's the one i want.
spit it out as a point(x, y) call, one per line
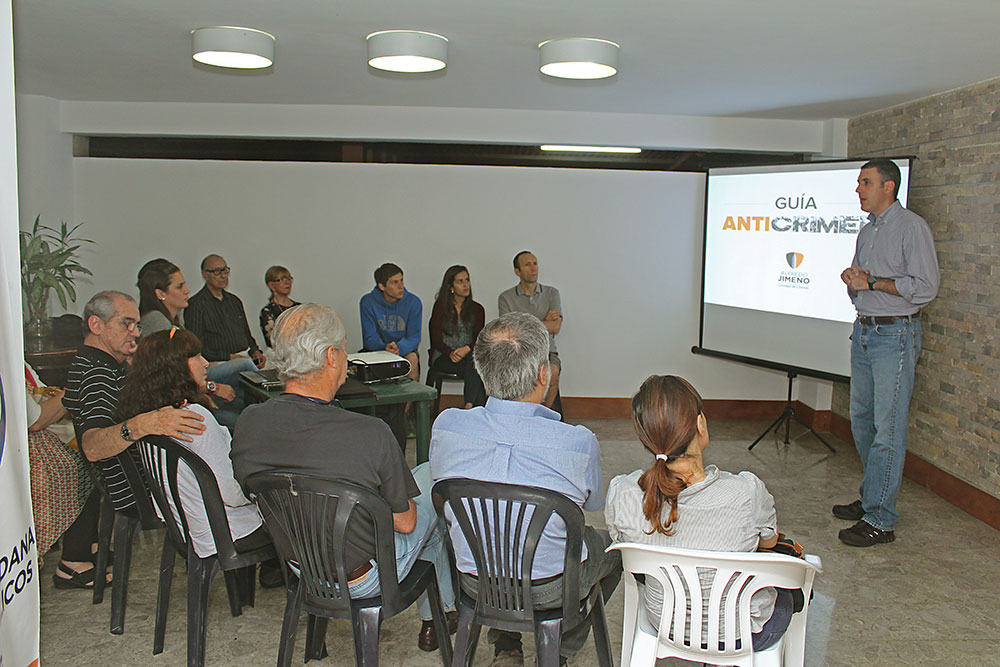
point(776, 240)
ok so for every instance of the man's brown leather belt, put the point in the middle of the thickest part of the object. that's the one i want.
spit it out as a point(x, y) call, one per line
point(358, 572)
point(872, 320)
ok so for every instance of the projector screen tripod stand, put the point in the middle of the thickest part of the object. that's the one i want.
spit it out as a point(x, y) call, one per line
point(786, 417)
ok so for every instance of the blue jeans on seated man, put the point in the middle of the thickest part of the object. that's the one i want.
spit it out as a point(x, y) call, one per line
point(425, 542)
point(228, 372)
point(883, 359)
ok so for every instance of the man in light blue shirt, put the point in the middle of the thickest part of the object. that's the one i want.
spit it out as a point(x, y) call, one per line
point(894, 274)
point(515, 439)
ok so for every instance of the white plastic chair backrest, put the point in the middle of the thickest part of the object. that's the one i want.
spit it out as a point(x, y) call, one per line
point(704, 636)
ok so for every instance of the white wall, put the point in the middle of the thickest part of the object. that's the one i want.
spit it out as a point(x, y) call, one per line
point(44, 162)
point(623, 247)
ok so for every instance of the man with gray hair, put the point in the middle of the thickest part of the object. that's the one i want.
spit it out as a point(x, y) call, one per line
point(95, 378)
point(515, 439)
point(305, 431)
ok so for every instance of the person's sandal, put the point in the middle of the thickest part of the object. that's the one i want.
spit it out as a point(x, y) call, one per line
point(76, 579)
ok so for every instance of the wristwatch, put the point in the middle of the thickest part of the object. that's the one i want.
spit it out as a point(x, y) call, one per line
point(127, 432)
point(212, 387)
point(871, 282)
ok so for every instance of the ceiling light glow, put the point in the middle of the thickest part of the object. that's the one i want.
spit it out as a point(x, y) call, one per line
point(408, 51)
point(232, 47)
point(578, 58)
point(591, 149)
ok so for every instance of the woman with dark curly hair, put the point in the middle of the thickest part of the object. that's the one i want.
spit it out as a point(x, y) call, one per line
point(455, 323)
point(168, 369)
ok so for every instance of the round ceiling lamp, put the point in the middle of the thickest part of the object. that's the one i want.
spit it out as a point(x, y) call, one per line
point(410, 51)
point(579, 58)
point(233, 47)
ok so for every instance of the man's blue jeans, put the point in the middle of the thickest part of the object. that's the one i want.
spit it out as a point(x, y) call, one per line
point(228, 372)
point(426, 542)
point(883, 358)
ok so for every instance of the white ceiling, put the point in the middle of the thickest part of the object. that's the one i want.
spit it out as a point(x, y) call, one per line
point(795, 59)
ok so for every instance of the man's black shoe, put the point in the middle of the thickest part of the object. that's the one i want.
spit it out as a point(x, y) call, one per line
point(863, 534)
point(427, 640)
point(852, 512)
point(270, 575)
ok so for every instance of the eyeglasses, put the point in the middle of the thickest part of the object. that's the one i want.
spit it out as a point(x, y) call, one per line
point(131, 325)
point(283, 279)
point(220, 271)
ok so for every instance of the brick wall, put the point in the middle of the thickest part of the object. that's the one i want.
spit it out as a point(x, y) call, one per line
point(955, 186)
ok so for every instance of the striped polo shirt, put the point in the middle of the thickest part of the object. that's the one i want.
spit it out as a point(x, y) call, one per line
point(93, 384)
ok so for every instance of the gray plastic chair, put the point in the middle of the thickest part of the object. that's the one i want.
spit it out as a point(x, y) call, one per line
point(494, 520)
point(308, 518)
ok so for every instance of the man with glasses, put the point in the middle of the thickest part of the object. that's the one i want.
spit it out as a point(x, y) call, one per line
point(218, 319)
point(111, 329)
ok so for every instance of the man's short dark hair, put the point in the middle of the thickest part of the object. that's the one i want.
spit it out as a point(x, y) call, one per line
point(386, 271)
point(887, 171)
point(517, 259)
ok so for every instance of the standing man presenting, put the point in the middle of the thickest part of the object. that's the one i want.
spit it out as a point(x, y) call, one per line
point(391, 317)
point(542, 301)
point(894, 274)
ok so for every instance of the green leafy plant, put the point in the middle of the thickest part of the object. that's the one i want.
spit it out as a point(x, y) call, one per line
point(49, 261)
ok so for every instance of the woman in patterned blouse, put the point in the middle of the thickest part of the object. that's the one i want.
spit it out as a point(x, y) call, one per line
point(279, 280)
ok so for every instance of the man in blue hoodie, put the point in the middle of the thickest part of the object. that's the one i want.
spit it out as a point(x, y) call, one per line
point(391, 317)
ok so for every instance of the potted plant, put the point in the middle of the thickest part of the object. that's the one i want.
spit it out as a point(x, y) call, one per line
point(49, 261)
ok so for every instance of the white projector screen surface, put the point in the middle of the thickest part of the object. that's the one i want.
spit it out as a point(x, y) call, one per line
point(776, 240)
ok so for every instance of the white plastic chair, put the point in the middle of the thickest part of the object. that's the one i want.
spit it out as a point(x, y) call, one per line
point(677, 571)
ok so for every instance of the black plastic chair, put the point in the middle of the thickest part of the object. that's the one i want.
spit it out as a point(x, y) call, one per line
point(494, 519)
point(160, 456)
point(123, 527)
point(308, 518)
point(437, 379)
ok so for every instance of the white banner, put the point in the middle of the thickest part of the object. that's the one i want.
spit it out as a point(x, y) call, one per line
point(18, 558)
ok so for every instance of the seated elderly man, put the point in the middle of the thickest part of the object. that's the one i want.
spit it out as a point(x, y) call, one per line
point(514, 439)
point(94, 381)
point(306, 431)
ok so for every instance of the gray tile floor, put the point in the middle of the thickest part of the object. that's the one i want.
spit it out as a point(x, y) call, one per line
point(930, 598)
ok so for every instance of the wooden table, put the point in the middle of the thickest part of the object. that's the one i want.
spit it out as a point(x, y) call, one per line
point(51, 357)
point(386, 393)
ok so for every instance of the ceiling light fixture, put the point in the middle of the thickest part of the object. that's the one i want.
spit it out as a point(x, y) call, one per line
point(591, 149)
point(407, 51)
point(579, 58)
point(233, 47)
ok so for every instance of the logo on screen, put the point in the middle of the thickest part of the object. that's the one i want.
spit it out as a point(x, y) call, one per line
point(794, 259)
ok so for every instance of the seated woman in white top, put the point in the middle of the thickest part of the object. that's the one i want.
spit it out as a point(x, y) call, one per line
point(679, 502)
point(168, 369)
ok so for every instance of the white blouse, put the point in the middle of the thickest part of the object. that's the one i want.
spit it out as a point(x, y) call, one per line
point(213, 446)
point(723, 512)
